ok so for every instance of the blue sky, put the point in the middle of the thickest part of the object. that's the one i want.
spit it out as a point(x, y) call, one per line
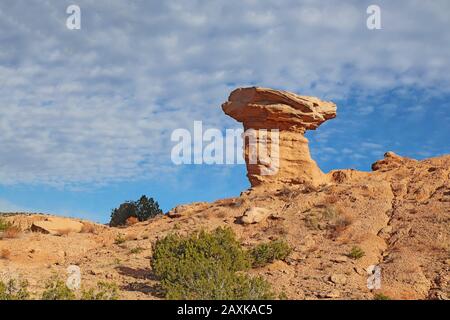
point(86, 115)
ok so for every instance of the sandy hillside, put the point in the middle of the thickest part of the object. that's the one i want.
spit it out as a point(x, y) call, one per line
point(398, 216)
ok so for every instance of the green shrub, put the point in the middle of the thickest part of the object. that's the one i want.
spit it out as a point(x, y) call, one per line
point(56, 289)
point(4, 225)
point(103, 291)
point(143, 209)
point(14, 290)
point(380, 296)
point(136, 250)
point(267, 253)
point(356, 253)
point(120, 239)
point(205, 266)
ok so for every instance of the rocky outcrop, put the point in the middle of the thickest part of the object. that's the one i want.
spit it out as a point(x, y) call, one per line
point(266, 112)
point(391, 161)
point(56, 226)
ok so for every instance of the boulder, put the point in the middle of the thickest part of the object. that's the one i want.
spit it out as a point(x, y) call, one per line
point(338, 278)
point(255, 215)
point(56, 226)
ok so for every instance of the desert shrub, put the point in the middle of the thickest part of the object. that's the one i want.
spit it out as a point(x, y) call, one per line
point(14, 290)
point(88, 228)
point(8, 230)
point(356, 253)
point(11, 232)
point(206, 266)
point(143, 209)
point(381, 296)
point(338, 225)
point(103, 291)
point(4, 225)
point(131, 221)
point(56, 289)
point(328, 218)
point(266, 253)
point(120, 239)
point(136, 250)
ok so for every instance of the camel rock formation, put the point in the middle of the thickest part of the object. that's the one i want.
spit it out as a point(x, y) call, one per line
point(263, 109)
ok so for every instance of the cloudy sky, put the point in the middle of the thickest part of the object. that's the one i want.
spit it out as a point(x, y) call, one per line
point(86, 115)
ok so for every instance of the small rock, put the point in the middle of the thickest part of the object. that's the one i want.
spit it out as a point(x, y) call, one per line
point(338, 278)
point(333, 294)
point(255, 215)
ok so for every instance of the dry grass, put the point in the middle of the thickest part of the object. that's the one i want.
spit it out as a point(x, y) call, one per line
point(5, 254)
point(221, 214)
point(131, 221)
point(88, 228)
point(131, 237)
point(339, 225)
point(11, 232)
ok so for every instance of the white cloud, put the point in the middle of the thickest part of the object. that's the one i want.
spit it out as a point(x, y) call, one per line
point(98, 105)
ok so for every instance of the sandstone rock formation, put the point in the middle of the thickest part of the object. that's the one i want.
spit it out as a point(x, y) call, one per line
point(55, 225)
point(264, 109)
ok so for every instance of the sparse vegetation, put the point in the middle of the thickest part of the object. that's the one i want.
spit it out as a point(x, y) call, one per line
point(103, 291)
point(88, 228)
point(381, 296)
point(12, 232)
point(143, 209)
point(56, 289)
point(14, 290)
point(328, 218)
point(131, 221)
point(120, 239)
point(356, 253)
point(206, 266)
point(136, 250)
point(4, 225)
point(267, 253)
point(8, 230)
